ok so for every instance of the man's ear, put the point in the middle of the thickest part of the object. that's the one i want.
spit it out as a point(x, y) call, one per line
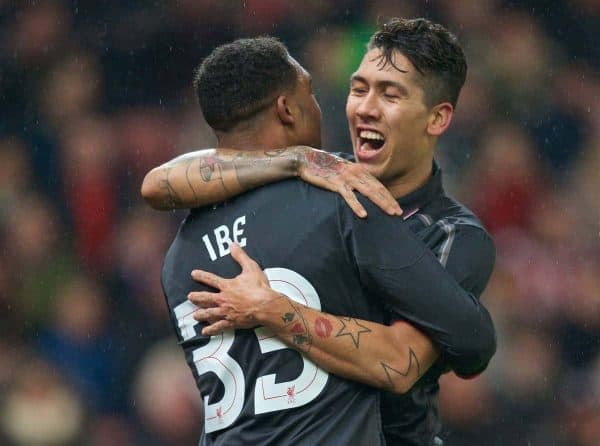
point(283, 110)
point(440, 118)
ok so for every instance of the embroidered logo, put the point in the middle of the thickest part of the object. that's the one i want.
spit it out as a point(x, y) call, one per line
point(291, 393)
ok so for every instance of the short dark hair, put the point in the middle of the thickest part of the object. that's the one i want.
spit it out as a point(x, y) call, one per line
point(432, 49)
point(239, 79)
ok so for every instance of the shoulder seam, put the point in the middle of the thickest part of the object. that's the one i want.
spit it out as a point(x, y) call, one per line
point(450, 230)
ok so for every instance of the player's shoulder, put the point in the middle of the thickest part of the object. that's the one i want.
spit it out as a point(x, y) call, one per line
point(449, 211)
point(291, 191)
point(448, 219)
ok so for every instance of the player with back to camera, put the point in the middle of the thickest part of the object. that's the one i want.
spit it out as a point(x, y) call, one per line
point(466, 349)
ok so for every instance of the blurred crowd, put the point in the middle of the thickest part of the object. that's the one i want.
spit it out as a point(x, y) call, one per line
point(94, 94)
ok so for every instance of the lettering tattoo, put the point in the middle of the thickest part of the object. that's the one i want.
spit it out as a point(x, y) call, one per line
point(392, 372)
point(351, 327)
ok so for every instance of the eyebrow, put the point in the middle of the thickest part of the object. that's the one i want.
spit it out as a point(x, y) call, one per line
point(381, 83)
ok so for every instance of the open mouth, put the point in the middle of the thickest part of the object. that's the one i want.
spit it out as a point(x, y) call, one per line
point(369, 143)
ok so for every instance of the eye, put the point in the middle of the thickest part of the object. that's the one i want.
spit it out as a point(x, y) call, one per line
point(358, 90)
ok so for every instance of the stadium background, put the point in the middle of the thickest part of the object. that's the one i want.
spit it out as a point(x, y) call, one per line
point(93, 94)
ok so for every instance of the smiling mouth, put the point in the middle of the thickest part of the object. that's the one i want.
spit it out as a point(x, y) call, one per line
point(369, 140)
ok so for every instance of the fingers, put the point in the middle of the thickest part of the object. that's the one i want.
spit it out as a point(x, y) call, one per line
point(209, 314)
point(378, 194)
point(203, 299)
point(240, 256)
point(350, 197)
point(216, 328)
point(207, 278)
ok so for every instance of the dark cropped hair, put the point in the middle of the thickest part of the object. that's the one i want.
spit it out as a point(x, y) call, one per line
point(239, 79)
point(432, 49)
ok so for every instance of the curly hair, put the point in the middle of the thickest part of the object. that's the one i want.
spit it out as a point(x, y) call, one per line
point(432, 49)
point(240, 79)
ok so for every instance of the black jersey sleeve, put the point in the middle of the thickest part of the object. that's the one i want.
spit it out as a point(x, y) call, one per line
point(395, 266)
point(471, 259)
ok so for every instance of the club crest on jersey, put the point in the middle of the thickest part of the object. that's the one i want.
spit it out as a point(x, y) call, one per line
point(220, 414)
point(291, 393)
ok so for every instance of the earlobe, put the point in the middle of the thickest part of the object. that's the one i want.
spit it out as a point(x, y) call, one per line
point(283, 110)
point(440, 118)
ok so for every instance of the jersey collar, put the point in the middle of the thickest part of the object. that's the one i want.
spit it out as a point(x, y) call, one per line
point(422, 196)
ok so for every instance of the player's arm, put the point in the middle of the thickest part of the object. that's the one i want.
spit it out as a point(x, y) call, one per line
point(212, 175)
point(412, 283)
point(387, 357)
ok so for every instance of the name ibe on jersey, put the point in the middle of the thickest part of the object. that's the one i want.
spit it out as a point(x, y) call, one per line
point(223, 237)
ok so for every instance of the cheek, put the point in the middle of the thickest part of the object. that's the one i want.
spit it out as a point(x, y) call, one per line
point(350, 108)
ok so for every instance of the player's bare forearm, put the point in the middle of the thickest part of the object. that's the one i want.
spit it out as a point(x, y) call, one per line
point(213, 175)
point(388, 357)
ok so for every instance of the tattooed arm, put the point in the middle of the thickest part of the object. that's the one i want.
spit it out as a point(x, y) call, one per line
point(213, 175)
point(388, 357)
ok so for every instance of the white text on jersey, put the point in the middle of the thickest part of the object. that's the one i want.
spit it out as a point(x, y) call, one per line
point(223, 241)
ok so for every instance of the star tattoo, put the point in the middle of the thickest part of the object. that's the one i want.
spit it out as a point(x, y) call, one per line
point(351, 327)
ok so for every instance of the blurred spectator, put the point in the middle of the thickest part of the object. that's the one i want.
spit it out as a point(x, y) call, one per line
point(507, 177)
point(72, 89)
point(79, 342)
point(39, 260)
point(89, 162)
point(40, 409)
point(166, 397)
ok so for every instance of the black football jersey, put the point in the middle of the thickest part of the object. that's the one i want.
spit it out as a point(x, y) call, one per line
point(316, 251)
point(255, 390)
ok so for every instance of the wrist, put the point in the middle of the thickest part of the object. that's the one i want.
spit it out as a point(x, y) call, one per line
point(299, 159)
point(268, 311)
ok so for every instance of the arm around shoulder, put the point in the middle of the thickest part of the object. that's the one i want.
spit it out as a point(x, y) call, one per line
point(413, 284)
point(471, 262)
point(210, 176)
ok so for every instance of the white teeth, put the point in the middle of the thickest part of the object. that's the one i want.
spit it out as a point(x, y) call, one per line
point(368, 134)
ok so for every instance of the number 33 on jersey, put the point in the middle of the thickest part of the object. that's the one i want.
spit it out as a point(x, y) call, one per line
point(269, 396)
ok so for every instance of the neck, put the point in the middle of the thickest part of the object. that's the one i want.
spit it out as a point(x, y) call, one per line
point(404, 185)
point(250, 140)
point(252, 136)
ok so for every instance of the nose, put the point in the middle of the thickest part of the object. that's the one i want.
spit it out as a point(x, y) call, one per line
point(367, 107)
